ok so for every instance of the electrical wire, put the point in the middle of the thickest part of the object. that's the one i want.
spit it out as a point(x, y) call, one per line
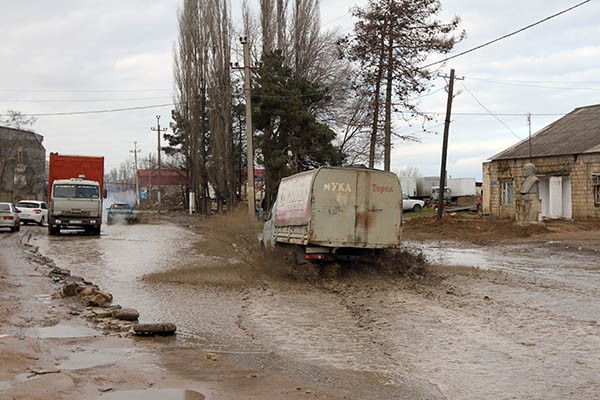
point(462, 53)
point(82, 90)
point(336, 19)
point(94, 111)
point(78, 100)
point(488, 110)
point(525, 84)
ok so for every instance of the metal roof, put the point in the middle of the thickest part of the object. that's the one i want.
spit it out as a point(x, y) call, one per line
point(578, 132)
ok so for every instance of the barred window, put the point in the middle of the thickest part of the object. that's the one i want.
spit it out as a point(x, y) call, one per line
point(596, 183)
point(506, 192)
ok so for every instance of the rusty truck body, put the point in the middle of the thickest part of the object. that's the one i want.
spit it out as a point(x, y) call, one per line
point(336, 213)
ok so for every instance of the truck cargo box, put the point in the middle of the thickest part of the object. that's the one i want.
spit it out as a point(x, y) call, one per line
point(73, 166)
point(462, 186)
point(75, 191)
point(425, 184)
point(337, 208)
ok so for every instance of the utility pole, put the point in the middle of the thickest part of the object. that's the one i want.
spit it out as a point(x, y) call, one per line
point(249, 128)
point(158, 132)
point(445, 147)
point(137, 178)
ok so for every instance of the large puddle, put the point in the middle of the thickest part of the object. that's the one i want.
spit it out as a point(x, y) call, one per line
point(118, 259)
point(549, 261)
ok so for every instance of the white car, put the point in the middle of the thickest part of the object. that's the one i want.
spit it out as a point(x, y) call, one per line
point(409, 204)
point(9, 217)
point(33, 211)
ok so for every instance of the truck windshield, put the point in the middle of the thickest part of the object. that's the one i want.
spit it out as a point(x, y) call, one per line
point(76, 191)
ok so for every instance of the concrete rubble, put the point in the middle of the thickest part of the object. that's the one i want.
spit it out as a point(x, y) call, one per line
point(99, 309)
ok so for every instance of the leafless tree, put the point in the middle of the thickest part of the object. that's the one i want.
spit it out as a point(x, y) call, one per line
point(392, 38)
point(190, 73)
point(268, 24)
point(352, 120)
point(15, 119)
point(410, 171)
point(220, 90)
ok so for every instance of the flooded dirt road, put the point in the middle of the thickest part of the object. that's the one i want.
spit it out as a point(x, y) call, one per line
point(501, 322)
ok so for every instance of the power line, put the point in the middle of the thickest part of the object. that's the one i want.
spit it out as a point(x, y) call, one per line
point(525, 84)
point(336, 19)
point(488, 110)
point(475, 78)
point(181, 103)
point(506, 36)
point(82, 90)
point(476, 114)
point(94, 111)
point(78, 100)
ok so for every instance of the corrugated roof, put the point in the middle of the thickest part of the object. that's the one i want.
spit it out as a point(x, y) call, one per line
point(577, 132)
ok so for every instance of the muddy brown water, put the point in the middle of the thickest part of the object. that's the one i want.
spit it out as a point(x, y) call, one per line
point(524, 324)
point(117, 261)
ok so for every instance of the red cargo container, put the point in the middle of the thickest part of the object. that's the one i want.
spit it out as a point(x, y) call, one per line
point(72, 166)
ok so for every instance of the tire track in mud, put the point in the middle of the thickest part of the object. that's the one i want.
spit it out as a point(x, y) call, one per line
point(322, 326)
point(476, 346)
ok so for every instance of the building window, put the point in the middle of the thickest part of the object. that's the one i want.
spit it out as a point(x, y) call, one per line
point(506, 193)
point(596, 183)
point(20, 154)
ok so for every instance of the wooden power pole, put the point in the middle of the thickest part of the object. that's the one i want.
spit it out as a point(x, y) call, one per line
point(445, 147)
point(249, 129)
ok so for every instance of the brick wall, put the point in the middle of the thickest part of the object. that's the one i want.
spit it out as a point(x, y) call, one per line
point(578, 168)
point(22, 164)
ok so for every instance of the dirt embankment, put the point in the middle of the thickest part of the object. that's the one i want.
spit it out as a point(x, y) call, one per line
point(474, 229)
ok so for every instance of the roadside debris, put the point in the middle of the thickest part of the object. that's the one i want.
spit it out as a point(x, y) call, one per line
point(99, 310)
point(161, 329)
point(126, 314)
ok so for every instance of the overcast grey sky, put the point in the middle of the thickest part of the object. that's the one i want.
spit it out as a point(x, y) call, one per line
point(71, 56)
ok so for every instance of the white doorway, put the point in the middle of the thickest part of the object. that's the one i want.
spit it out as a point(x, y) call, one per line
point(555, 194)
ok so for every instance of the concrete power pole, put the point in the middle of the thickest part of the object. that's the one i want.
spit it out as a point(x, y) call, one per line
point(158, 132)
point(137, 178)
point(445, 147)
point(249, 128)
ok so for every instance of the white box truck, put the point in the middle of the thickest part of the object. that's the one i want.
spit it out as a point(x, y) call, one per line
point(409, 185)
point(461, 187)
point(336, 213)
